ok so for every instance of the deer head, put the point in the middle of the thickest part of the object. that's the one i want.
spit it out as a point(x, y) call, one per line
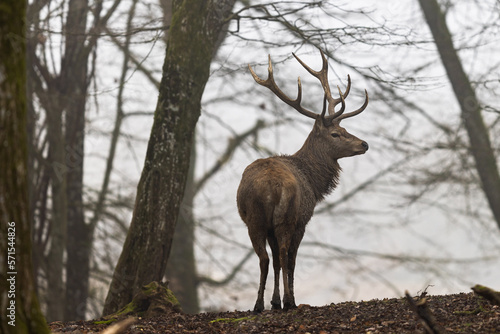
point(328, 135)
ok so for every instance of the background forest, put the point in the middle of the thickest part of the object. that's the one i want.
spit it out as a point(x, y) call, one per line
point(421, 208)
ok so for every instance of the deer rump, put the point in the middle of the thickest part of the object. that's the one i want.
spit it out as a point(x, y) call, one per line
point(273, 192)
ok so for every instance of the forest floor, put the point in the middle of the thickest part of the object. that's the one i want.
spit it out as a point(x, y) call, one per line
point(458, 313)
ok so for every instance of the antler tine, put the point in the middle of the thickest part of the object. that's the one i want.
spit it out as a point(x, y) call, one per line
point(271, 84)
point(348, 88)
point(342, 99)
point(355, 112)
point(324, 107)
point(322, 76)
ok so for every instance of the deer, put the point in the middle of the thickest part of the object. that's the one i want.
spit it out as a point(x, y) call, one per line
point(276, 196)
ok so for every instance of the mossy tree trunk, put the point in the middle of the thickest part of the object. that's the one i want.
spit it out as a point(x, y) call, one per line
point(20, 311)
point(480, 144)
point(192, 37)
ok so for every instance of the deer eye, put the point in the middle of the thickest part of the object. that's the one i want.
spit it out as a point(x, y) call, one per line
point(335, 135)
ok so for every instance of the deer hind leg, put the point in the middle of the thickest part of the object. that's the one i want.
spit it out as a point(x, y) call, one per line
point(292, 255)
point(276, 300)
point(288, 301)
point(285, 223)
point(259, 245)
point(283, 236)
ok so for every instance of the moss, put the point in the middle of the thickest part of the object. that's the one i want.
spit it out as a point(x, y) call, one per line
point(473, 312)
point(233, 320)
point(105, 322)
point(127, 309)
point(156, 289)
point(153, 299)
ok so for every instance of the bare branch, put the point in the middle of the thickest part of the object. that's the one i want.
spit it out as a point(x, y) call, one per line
point(118, 122)
point(230, 276)
point(232, 145)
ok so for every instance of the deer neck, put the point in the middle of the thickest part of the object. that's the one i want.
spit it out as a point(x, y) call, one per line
point(321, 171)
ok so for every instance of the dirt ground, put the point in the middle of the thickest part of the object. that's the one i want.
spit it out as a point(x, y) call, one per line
point(460, 313)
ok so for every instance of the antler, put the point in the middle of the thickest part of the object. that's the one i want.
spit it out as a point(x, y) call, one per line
point(355, 112)
point(269, 83)
point(322, 76)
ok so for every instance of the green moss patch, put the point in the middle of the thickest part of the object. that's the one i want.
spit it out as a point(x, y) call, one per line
point(230, 320)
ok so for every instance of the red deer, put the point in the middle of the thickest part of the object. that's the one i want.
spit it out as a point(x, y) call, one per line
point(277, 195)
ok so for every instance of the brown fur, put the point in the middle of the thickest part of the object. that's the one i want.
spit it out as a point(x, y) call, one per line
point(277, 196)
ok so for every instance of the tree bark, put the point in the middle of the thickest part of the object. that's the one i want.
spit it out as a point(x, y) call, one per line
point(480, 145)
point(192, 37)
point(181, 268)
point(18, 300)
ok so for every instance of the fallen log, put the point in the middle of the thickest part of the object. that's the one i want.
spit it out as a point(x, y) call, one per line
point(489, 294)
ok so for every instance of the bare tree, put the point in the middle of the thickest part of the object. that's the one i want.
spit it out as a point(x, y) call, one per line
point(20, 308)
point(471, 110)
point(195, 28)
point(59, 95)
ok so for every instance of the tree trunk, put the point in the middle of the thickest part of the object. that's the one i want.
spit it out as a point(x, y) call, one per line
point(54, 260)
point(18, 301)
point(181, 267)
point(73, 84)
point(480, 145)
point(192, 36)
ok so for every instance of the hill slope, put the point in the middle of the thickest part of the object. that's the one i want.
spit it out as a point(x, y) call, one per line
point(460, 313)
